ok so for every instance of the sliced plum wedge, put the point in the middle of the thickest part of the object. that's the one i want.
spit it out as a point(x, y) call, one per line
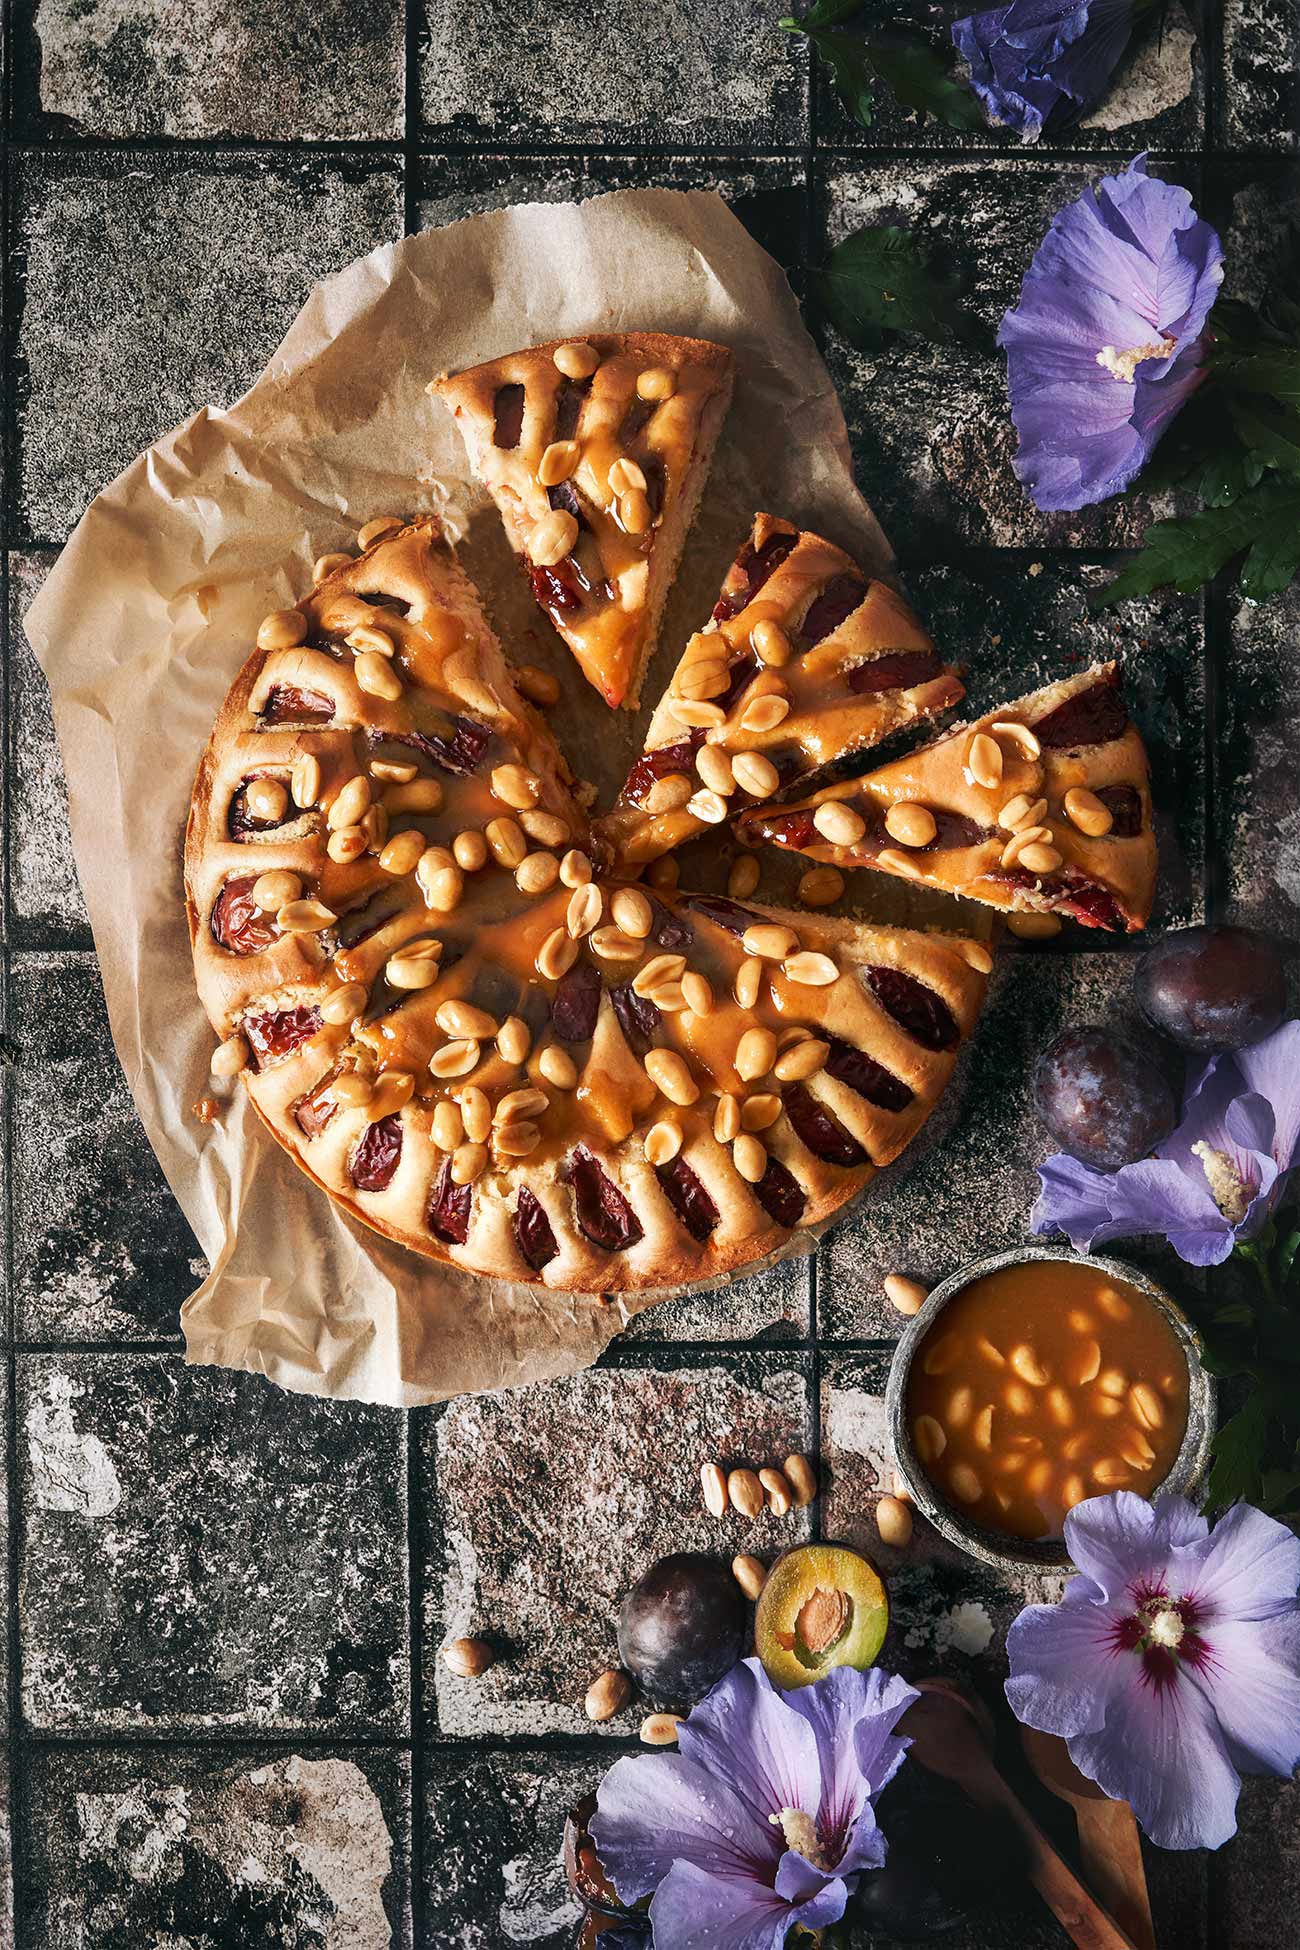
point(377, 1155)
point(1091, 717)
point(820, 1129)
point(779, 1194)
point(447, 1213)
point(604, 1215)
point(688, 1198)
point(924, 1015)
point(895, 670)
point(238, 923)
point(533, 1232)
point(862, 1074)
point(275, 1033)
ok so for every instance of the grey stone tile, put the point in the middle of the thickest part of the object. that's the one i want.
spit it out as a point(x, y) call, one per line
point(623, 74)
point(1017, 625)
point(1255, 1878)
point(101, 1250)
point(550, 1502)
point(493, 1850)
point(931, 426)
point(1258, 800)
point(218, 1849)
point(196, 68)
point(766, 192)
point(44, 892)
point(203, 1550)
point(157, 283)
point(1261, 74)
point(1156, 101)
point(971, 1183)
point(772, 1307)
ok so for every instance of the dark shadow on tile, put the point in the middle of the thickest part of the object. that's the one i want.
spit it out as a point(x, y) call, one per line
point(203, 1550)
point(44, 893)
point(223, 1848)
point(156, 283)
point(196, 69)
point(493, 1833)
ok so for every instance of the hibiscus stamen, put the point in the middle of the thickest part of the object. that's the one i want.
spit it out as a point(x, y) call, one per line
point(800, 1833)
point(1227, 1186)
point(1166, 1628)
point(1123, 365)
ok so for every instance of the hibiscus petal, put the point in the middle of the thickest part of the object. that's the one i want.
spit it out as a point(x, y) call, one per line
point(696, 1910)
point(1161, 1750)
point(852, 1715)
point(1252, 1684)
point(748, 1736)
point(1155, 1196)
point(660, 1809)
point(1272, 1068)
point(1048, 1646)
point(1248, 1569)
point(1122, 1542)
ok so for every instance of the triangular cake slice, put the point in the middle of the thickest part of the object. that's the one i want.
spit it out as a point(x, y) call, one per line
point(1043, 805)
point(804, 660)
point(596, 452)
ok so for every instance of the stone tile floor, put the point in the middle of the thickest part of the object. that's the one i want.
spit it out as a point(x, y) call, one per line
point(226, 1723)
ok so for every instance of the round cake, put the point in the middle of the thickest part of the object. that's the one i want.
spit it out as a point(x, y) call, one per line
point(470, 1035)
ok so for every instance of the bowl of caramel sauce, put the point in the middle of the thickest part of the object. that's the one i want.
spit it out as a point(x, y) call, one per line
point(1035, 1379)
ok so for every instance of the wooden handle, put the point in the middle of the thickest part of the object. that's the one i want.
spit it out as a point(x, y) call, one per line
point(1084, 1921)
point(1112, 1857)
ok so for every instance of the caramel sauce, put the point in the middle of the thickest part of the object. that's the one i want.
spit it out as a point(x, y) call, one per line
point(1040, 1385)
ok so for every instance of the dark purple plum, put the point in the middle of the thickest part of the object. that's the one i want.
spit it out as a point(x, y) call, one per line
point(1212, 989)
point(681, 1627)
point(1103, 1097)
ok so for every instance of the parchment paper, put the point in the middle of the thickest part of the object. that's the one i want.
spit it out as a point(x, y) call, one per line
point(154, 605)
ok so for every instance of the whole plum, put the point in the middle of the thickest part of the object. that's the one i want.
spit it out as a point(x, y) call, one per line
point(1103, 1097)
point(1212, 989)
point(681, 1627)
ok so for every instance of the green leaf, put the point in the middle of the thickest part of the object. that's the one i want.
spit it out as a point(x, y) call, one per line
point(1238, 1451)
point(1276, 372)
point(1270, 432)
point(883, 280)
point(1186, 552)
point(914, 70)
point(1286, 1257)
point(1225, 476)
point(1279, 1488)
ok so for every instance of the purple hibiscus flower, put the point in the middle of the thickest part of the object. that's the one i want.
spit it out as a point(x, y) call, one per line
point(1214, 1182)
point(1105, 344)
point(1039, 58)
point(1172, 1664)
point(764, 1818)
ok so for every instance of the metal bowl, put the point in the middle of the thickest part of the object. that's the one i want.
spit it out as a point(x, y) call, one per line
point(993, 1547)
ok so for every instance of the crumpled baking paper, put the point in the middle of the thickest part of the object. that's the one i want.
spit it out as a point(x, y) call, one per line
point(154, 605)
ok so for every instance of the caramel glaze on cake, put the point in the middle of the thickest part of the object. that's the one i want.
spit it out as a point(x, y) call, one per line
point(1043, 805)
point(465, 1039)
point(804, 661)
point(596, 451)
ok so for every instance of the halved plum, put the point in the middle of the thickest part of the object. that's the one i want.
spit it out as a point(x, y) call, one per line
point(604, 1215)
point(378, 1154)
point(1070, 893)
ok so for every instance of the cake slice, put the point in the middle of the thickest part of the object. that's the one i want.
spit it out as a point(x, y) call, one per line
point(596, 452)
point(804, 660)
point(1043, 805)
